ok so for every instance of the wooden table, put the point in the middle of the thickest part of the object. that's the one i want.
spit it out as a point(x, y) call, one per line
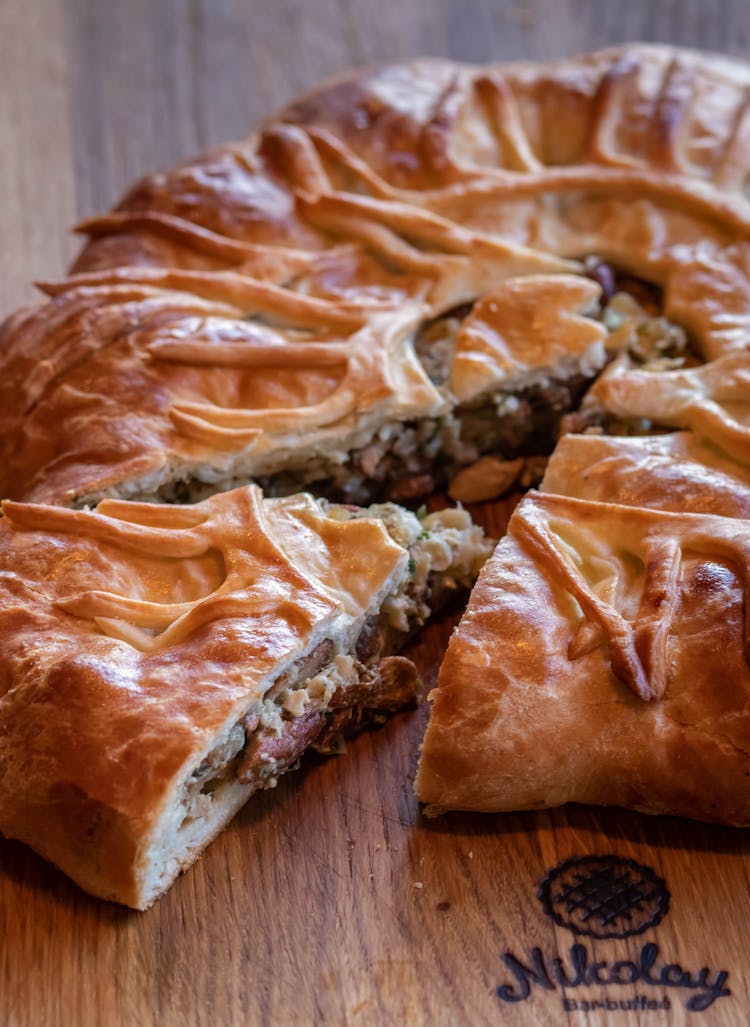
point(330, 900)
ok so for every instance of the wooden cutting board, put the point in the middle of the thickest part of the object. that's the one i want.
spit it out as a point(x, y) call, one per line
point(331, 901)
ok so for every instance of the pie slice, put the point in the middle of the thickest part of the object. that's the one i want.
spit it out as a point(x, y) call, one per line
point(161, 664)
point(602, 659)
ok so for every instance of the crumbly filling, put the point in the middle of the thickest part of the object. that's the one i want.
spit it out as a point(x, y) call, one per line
point(403, 460)
point(522, 418)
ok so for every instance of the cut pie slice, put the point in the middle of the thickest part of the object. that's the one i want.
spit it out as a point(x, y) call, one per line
point(602, 659)
point(161, 664)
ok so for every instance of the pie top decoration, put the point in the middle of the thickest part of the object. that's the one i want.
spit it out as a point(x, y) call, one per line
point(525, 323)
point(712, 400)
point(680, 471)
point(246, 312)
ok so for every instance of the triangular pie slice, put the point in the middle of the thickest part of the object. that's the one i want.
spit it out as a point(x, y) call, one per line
point(161, 664)
point(602, 659)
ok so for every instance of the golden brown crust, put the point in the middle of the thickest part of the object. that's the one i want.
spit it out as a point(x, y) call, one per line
point(680, 472)
point(260, 301)
point(585, 668)
point(134, 635)
point(427, 183)
point(712, 400)
point(525, 323)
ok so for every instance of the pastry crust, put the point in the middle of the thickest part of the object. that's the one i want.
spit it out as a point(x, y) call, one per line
point(526, 323)
point(257, 310)
point(368, 207)
point(160, 626)
point(585, 668)
point(713, 400)
point(679, 472)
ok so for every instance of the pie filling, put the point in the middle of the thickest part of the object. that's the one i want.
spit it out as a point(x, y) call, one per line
point(327, 696)
point(517, 424)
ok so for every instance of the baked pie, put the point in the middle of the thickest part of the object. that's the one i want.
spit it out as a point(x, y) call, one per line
point(423, 275)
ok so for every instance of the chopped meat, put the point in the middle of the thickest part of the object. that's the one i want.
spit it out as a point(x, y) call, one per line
point(411, 488)
point(276, 752)
point(648, 295)
point(370, 642)
point(307, 666)
point(391, 686)
point(325, 695)
point(525, 421)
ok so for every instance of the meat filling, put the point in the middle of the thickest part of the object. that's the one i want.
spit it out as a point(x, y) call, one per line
point(325, 697)
point(389, 687)
point(270, 740)
point(523, 418)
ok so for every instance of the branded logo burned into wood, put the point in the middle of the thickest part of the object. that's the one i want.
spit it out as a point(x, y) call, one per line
point(607, 897)
point(604, 896)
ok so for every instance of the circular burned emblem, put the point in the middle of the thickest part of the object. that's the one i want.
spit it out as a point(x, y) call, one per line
point(604, 896)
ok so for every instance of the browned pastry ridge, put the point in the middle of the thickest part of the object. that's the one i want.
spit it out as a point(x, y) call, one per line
point(288, 309)
point(412, 276)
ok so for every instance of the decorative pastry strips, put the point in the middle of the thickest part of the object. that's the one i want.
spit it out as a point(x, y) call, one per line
point(679, 472)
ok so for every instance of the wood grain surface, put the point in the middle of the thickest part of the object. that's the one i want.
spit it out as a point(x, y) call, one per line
point(330, 900)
